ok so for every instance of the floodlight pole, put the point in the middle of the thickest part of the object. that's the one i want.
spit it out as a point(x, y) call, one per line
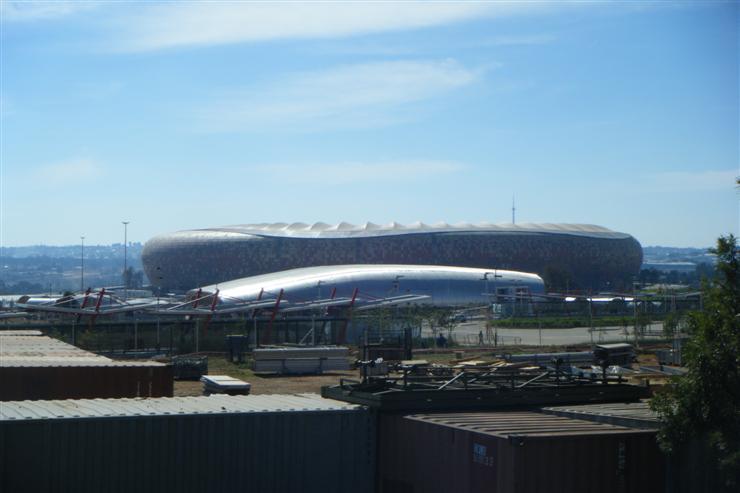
point(82, 264)
point(591, 315)
point(125, 258)
point(495, 300)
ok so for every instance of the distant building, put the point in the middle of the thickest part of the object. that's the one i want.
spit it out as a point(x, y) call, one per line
point(573, 255)
point(670, 266)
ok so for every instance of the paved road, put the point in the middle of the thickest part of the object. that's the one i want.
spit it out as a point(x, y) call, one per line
point(467, 333)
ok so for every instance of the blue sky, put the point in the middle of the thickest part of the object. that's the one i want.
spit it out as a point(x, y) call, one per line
point(196, 114)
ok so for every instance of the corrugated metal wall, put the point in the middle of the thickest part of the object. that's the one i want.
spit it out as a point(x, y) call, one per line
point(416, 455)
point(40, 367)
point(81, 382)
point(608, 463)
point(321, 451)
point(695, 467)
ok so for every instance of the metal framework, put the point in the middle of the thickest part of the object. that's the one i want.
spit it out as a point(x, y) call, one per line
point(413, 387)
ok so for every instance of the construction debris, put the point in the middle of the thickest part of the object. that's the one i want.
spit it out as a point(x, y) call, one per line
point(301, 360)
point(224, 384)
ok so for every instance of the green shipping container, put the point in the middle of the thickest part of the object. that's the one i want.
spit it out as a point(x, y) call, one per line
point(266, 443)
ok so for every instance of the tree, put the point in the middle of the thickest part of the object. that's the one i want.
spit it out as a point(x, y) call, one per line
point(557, 278)
point(133, 279)
point(704, 404)
point(671, 324)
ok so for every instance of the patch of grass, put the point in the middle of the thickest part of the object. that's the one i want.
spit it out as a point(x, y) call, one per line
point(570, 322)
point(218, 365)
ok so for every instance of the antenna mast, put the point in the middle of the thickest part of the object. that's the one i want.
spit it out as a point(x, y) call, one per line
point(513, 210)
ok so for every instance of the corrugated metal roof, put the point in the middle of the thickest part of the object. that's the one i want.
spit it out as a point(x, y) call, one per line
point(343, 229)
point(16, 333)
point(522, 424)
point(164, 406)
point(38, 351)
point(636, 414)
point(71, 362)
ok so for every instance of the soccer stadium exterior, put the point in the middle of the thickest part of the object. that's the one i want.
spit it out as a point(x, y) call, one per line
point(582, 256)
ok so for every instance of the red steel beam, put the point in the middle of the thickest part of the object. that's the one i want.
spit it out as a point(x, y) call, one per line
point(343, 331)
point(84, 304)
point(97, 307)
point(197, 297)
point(213, 307)
point(267, 336)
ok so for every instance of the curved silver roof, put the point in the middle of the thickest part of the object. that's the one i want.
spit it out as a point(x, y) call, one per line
point(318, 273)
point(440, 285)
point(344, 230)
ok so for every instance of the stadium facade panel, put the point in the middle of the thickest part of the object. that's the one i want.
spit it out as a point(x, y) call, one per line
point(573, 255)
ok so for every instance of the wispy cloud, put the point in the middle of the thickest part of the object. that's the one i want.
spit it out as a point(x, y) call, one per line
point(368, 94)
point(80, 170)
point(211, 23)
point(349, 173)
point(696, 180)
point(20, 11)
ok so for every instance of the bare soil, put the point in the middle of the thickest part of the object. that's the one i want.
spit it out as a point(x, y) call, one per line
point(263, 383)
point(296, 384)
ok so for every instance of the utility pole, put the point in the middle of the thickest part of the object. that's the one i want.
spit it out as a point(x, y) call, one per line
point(125, 258)
point(489, 309)
point(495, 304)
point(82, 264)
point(634, 304)
point(537, 314)
point(591, 315)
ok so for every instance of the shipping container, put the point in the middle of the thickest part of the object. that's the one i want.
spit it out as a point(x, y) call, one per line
point(15, 333)
point(694, 465)
point(266, 443)
point(39, 367)
point(514, 452)
point(630, 414)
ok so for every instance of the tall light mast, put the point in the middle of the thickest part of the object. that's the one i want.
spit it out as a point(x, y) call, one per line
point(82, 264)
point(125, 258)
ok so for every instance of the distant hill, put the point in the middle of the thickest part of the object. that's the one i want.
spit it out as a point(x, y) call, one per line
point(55, 269)
point(663, 254)
point(42, 268)
point(73, 251)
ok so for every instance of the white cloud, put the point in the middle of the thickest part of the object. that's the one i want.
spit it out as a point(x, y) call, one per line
point(212, 23)
point(20, 11)
point(352, 95)
point(349, 173)
point(696, 180)
point(67, 172)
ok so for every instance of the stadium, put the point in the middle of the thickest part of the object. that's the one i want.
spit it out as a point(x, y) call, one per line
point(369, 286)
point(566, 256)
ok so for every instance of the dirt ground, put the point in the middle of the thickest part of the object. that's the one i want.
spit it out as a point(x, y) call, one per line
point(263, 383)
point(296, 384)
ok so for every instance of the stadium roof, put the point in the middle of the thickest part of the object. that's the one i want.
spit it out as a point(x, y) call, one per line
point(344, 230)
point(320, 272)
